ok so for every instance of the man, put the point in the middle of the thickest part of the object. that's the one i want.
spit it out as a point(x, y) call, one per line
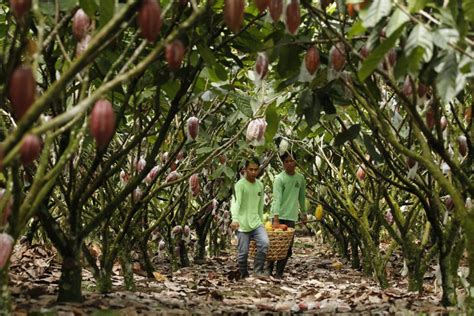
point(247, 216)
point(289, 190)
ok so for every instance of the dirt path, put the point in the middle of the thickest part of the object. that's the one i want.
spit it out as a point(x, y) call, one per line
point(317, 281)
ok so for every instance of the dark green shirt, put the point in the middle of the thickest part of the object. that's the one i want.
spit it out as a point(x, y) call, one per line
point(289, 196)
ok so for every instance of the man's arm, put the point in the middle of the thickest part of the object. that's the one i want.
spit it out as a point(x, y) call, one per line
point(261, 203)
point(235, 208)
point(276, 204)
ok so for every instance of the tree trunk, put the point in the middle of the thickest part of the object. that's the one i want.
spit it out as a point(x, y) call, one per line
point(5, 299)
point(70, 281)
point(355, 260)
point(104, 281)
point(183, 254)
point(126, 264)
point(449, 290)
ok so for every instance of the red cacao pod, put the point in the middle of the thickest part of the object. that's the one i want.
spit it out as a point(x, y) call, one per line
point(360, 173)
point(443, 122)
point(194, 184)
point(462, 142)
point(172, 176)
point(152, 174)
point(124, 177)
point(407, 87)
point(449, 202)
point(261, 66)
point(82, 45)
point(30, 149)
point(80, 24)
point(262, 5)
point(6, 247)
point(430, 120)
point(177, 230)
point(276, 9)
point(293, 16)
point(186, 231)
point(149, 19)
point(468, 115)
point(192, 127)
point(21, 90)
point(234, 14)
point(338, 57)
point(20, 7)
point(222, 159)
point(174, 54)
point(102, 123)
point(390, 59)
point(311, 60)
point(364, 52)
point(422, 89)
point(140, 164)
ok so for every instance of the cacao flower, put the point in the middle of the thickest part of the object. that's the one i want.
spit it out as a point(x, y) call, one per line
point(149, 19)
point(360, 173)
point(430, 121)
point(364, 52)
point(6, 247)
point(462, 142)
point(80, 24)
point(140, 164)
point(161, 245)
point(30, 149)
point(234, 14)
point(389, 217)
point(151, 176)
point(186, 231)
point(124, 177)
point(276, 9)
point(172, 176)
point(443, 122)
point(338, 56)
point(192, 128)
point(311, 60)
point(137, 194)
point(194, 185)
point(293, 17)
point(21, 90)
point(102, 123)
point(261, 66)
point(82, 45)
point(174, 54)
point(256, 131)
point(262, 5)
point(20, 7)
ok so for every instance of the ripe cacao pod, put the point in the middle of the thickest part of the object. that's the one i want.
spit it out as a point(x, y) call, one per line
point(462, 142)
point(80, 24)
point(192, 127)
point(261, 66)
point(360, 173)
point(6, 247)
point(21, 90)
point(430, 120)
point(234, 14)
point(152, 174)
point(222, 159)
point(256, 131)
point(443, 122)
point(149, 19)
point(174, 54)
point(172, 176)
point(293, 16)
point(283, 227)
point(276, 9)
point(338, 57)
point(102, 123)
point(20, 7)
point(30, 149)
point(262, 5)
point(194, 184)
point(82, 45)
point(319, 212)
point(311, 60)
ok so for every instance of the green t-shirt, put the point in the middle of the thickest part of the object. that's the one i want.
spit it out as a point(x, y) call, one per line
point(289, 196)
point(247, 204)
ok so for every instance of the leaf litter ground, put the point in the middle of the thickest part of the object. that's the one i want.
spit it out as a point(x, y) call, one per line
point(316, 281)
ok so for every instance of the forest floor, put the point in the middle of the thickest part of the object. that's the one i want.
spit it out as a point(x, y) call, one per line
point(316, 281)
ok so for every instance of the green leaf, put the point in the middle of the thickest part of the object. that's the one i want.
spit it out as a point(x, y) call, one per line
point(420, 37)
point(447, 76)
point(206, 54)
point(229, 172)
point(89, 6)
point(67, 5)
point(468, 8)
point(397, 19)
point(416, 5)
point(313, 113)
point(371, 149)
point(107, 10)
point(442, 37)
point(374, 58)
point(289, 61)
point(350, 134)
point(376, 11)
point(305, 101)
point(204, 150)
point(273, 120)
point(220, 71)
point(356, 29)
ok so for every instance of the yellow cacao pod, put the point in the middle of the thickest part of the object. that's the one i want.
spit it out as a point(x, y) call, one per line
point(319, 212)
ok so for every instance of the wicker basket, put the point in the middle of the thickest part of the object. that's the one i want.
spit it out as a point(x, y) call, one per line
point(279, 243)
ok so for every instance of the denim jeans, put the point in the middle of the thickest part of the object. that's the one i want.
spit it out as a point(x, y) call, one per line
point(260, 236)
point(280, 264)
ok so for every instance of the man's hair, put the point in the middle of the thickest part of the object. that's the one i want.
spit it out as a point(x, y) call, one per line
point(287, 154)
point(250, 160)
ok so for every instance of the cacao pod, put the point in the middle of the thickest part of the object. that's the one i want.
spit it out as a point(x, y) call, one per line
point(82, 45)
point(283, 227)
point(149, 19)
point(177, 230)
point(462, 142)
point(449, 202)
point(151, 176)
point(276, 9)
point(222, 159)
point(164, 157)
point(443, 122)
point(137, 194)
point(429, 115)
point(389, 217)
point(180, 155)
point(468, 115)
point(311, 60)
point(186, 231)
point(360, 173)
point(161, 245)
point(174, 54)
point(20, 7)
point(102, 123)
point(261, 66)
point(407, 87)
point(21, 90)
point(140, 164)
point(256, 131)
point(262, 5)
point(338, 56)
point(30, 149)
point(192, 127)
point(6, 247)
point(293, 16)
point(194, 184)
point(80, 24)
point(124, 177)
point(172, 176)
point(319, 212)
point(390, 59)
point(364, 52)
point(422, 89)
point(410, 162)
point(234, 14)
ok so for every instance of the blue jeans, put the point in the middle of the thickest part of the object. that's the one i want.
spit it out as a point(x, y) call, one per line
point(261, 239)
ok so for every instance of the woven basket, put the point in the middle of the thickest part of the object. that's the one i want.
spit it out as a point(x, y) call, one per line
point(279, 243)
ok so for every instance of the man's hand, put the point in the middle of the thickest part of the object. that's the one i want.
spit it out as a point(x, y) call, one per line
point(234, 225)
point(304, 218)
point(276, 222)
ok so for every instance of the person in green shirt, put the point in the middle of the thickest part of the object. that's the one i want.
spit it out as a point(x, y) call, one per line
point(247, 217)
point(289, 190)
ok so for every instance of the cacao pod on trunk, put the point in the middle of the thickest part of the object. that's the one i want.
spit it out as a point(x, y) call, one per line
point(102, 123)
point(234, 14)
point(149, 19)
point(80, 24)
point(21, 90)
point(6, 247)
point(30, 149)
